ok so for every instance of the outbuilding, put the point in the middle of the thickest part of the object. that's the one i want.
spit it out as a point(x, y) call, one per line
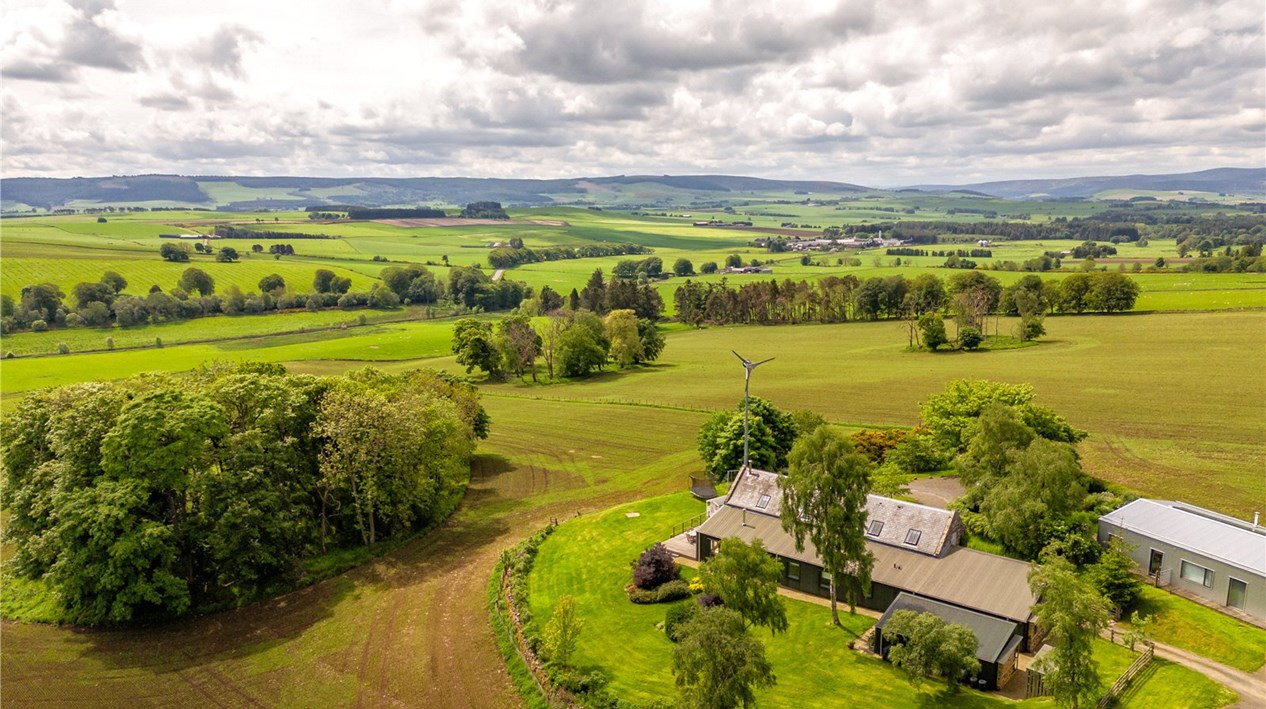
point(998, 641)
point(1199, 552)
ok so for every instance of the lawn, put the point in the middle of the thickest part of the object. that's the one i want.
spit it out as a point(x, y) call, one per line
point(1204, 631)
point(589, 558)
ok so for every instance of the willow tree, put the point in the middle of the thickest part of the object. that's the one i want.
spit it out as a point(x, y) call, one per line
point(824, 501)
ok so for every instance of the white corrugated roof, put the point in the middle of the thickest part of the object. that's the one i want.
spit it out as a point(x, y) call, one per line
point(1202, 531)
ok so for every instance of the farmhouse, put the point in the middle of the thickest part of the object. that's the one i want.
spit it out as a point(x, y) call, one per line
point(1195, 551)
point(998, 640)
point(916, 551)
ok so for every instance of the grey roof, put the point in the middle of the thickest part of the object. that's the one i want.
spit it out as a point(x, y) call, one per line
point(965, 577)
point(899, 517)
point(994, 636)
point(1202, 531)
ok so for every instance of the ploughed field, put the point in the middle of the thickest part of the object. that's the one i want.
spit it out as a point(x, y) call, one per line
point(1173, 401)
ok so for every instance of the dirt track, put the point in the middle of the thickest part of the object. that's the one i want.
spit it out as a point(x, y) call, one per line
point(409, 630)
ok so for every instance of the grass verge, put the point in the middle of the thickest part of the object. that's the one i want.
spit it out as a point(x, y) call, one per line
point(1188, 625)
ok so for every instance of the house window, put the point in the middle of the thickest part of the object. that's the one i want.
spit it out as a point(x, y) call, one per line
point(1197, 574)
point(714, 545)
point(793, 570)
point(763, 502)
point(875, 528)
point(824, 581)
point(912, 537)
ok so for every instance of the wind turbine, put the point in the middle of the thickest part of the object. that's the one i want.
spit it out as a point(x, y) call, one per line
point(748, 366)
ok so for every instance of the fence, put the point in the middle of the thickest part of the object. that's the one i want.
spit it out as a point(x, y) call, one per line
point(1124, 680)
point(683, 527)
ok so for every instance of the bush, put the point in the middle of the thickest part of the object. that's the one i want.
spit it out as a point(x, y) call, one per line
point(969, 338)
point(63, 348)
point(158, 342)
point(109, 343)
point(674, 590)
point(362, 320)
point(38, 326)
point(677, 615)
point(709, 600)
point(655, 567)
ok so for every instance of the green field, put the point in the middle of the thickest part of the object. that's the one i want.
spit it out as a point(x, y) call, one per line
point(66, 250)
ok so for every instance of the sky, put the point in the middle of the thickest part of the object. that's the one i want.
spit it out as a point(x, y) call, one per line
point(883, 93)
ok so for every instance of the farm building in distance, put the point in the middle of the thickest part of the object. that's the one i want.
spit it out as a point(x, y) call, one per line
point(1195, 551)
point(917, 556)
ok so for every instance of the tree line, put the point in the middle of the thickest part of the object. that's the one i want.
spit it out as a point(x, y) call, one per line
point(224, 231)
point(160, 496)
point(517, 254)
point(833, 299)
point(43, 306)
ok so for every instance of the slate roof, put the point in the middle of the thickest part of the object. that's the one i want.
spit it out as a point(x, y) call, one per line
point(1202, 531)
point(759, 491)
point(966, 577)
point(995, 637)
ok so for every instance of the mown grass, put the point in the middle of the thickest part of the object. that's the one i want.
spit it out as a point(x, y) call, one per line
point(588, 558)
point(1204, 631)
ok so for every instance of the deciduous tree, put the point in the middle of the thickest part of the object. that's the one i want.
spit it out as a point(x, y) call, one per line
point(746, 577)
point(717, 664)
point(927, 646)
point(824, 501)
point(1073, 613)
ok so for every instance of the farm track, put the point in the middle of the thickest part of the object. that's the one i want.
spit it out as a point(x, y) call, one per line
point(408, 629)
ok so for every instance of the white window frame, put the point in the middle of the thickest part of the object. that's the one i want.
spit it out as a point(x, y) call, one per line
point(1206, 582)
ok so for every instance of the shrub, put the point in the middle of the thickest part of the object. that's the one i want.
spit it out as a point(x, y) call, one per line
point(655, 567)
point(158, 342)
point(109, 343)
point(63, 348)
point(677, 615)
point(38, 326)
point(674, 590)
point(969, 338)
point(709, 600)
point(362, 320)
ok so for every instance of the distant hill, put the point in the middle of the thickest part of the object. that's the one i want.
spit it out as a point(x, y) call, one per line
point(1229, 180)
point(644, 191)
point(247, 193)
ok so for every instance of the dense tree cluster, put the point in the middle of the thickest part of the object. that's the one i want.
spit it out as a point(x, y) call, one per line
point(771, 434)
point(484, 210)
point(573, 343)
point(224, 231)
point(393, 213)
point(508, 257)
point(160, 496)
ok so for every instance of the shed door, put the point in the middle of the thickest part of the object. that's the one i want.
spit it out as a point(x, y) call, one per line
point(1235, 593)
point(1154, 564)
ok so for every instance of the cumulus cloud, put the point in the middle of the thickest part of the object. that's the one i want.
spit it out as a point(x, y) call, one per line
point(859, 91)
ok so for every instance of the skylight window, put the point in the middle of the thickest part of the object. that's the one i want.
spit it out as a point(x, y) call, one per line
point(763, 502)
point(912, 537)
point(876, 527)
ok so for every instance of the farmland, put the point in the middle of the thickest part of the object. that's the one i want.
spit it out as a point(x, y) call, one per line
point(1172, 400)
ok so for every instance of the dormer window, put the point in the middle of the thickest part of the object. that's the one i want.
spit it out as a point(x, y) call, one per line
point(912, 537)
point(763, 502)
point(875, 528)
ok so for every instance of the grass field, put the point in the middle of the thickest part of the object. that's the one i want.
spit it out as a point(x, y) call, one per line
point(1191, 626)
point(1161, 422)
point(66, 250)
point(589, 557)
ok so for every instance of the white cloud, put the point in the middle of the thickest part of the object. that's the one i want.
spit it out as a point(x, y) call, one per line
point(872, 92)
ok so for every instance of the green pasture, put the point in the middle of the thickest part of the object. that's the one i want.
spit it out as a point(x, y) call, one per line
point(588, 558)
point(1162, 421)
point(1204, 631)
point(218, 327)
